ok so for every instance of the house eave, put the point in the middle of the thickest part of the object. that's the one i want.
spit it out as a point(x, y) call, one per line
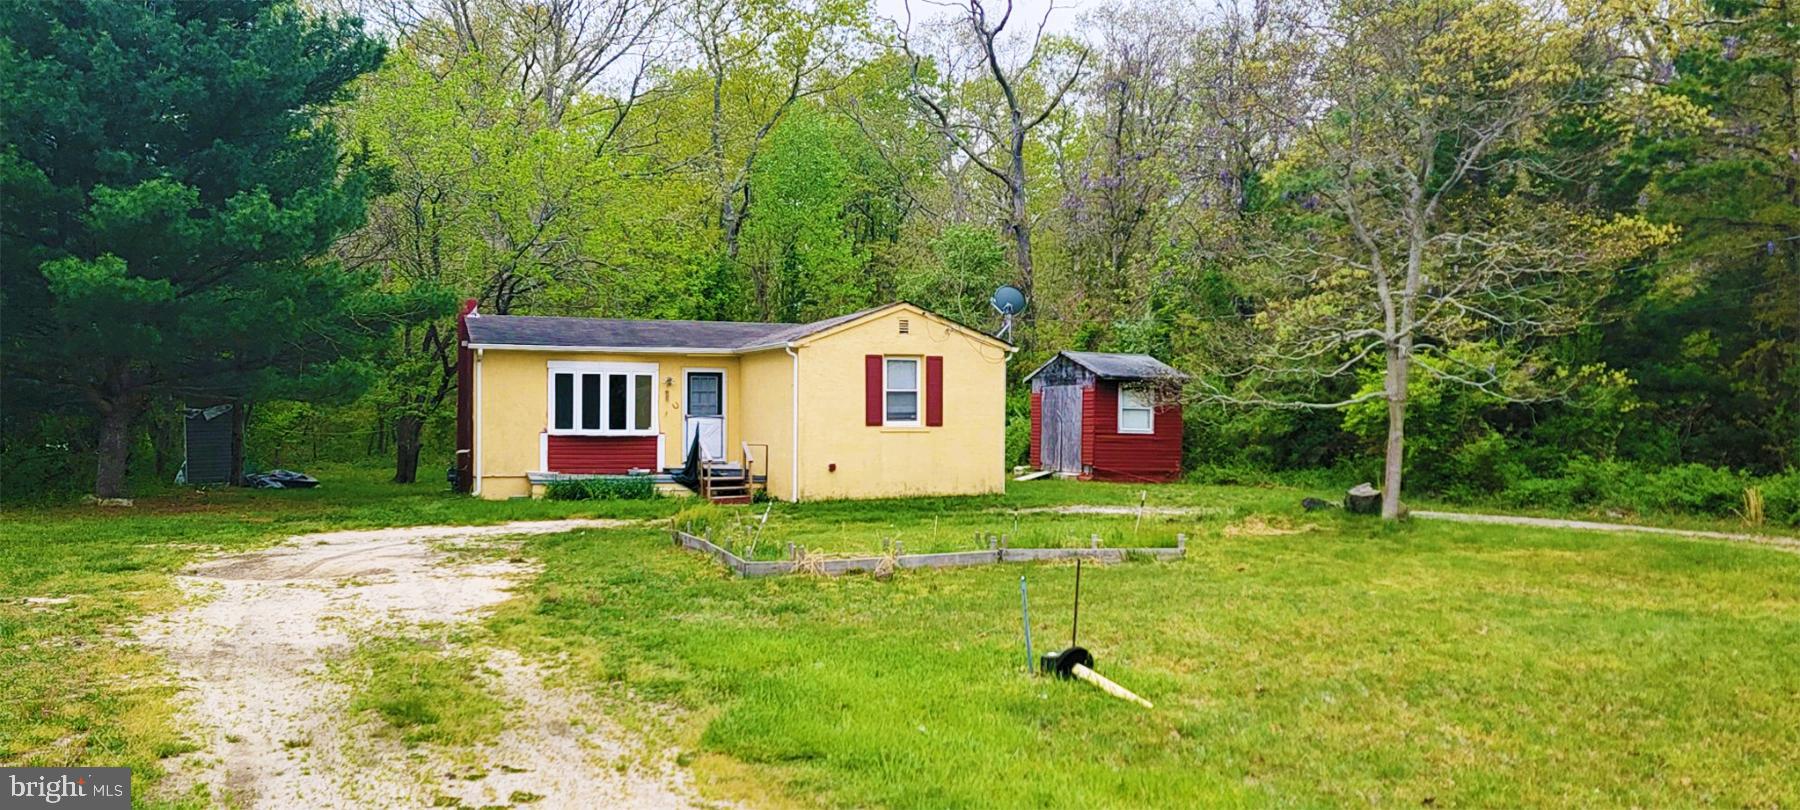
point(521, 347)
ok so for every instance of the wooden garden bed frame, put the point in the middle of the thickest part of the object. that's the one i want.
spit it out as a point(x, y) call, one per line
point(997, 552)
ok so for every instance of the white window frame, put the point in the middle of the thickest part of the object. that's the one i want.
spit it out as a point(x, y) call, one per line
point(689, 372)
point(1149, 406)
point(631, 371)
point(918, 391)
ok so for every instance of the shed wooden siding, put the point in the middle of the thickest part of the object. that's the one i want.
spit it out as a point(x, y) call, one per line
point(601, 455)
point(1037, 428)
point(1113, 456)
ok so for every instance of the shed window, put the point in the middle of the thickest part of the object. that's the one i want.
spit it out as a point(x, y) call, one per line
point(900, 391)
point(1137, 413)
point(602, 399)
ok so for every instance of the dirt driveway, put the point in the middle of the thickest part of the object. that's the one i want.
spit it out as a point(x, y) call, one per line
point(252, 644)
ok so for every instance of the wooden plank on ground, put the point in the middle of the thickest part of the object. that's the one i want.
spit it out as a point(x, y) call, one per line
point(832, 566)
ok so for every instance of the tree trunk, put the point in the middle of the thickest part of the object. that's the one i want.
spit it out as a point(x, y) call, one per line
point(731, 221)
point(166, 437)
point(115, 449)
point(407, 430)
point(1021, 228)
point(1397, 368)
point(240, 419)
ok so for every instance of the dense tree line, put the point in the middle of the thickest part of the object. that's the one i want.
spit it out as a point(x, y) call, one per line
point(1504, 241)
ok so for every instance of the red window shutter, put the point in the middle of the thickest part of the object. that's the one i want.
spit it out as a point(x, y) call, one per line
point(872, 389)
point(934, 391)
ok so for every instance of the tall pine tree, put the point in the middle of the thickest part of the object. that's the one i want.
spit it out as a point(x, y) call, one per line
point(169, 180)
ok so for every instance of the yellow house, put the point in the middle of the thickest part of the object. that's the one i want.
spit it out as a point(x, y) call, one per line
point(890, 401)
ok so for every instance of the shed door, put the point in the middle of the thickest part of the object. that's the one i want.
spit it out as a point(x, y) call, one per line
point(1062, 428)
point(208, 446)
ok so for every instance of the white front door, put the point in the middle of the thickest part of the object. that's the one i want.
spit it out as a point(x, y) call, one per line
point(705, 414)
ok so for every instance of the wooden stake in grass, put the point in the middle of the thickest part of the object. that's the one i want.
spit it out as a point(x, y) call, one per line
point(1082, 672)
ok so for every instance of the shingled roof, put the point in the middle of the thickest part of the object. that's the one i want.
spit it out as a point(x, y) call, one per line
point(616, 333)
point(1108, 366)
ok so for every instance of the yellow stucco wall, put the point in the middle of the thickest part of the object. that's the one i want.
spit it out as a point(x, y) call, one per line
point(767, 415)
point(514, 409)
point(964, 456)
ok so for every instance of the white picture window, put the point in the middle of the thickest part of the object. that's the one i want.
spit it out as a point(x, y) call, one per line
point(900, 391)
point(1137, 411)
point(603, 399)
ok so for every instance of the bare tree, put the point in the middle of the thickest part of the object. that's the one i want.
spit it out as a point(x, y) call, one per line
point(993, 135)
point(555, 51)
point(758, 60)
point(1421, 240)
point(1117, 192)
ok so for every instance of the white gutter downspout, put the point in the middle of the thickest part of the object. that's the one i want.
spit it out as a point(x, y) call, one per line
point(475, 489)
point(794, 453)
point(1005, 470)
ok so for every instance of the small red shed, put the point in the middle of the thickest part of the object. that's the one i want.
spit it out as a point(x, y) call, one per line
point(1107, 417)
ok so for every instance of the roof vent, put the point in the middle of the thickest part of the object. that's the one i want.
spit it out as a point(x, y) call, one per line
point(905, 326)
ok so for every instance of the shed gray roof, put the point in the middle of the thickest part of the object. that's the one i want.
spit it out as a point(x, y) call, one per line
point(1117, 366)
point(616, 333)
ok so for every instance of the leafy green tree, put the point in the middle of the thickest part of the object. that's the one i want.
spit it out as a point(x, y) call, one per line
point(514, 180)
point(168, 182)
point(1713, 332)
point(757, 60)
point(966, 264)
point(1419, 232)
point(488, 198)
point(803, 261)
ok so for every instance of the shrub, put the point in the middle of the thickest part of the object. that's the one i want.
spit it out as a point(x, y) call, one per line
point(1594, 481)
point(1781, 497)
point(1550, 493)
point(1481, 466)
point(1691, 489)
point(604, 488)
point(1018, 440)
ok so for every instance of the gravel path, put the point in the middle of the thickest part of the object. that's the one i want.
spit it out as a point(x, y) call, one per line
point(252, 644)
point(1773, 541)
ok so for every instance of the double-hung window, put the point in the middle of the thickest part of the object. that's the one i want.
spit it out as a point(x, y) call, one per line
point(602, 399)
point(1137, 413)
point(900, 391)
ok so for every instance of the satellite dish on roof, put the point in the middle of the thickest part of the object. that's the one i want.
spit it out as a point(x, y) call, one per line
point(1008, 300)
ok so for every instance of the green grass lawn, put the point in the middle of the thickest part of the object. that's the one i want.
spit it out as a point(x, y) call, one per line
point(1431, 664)
point(1428, 664)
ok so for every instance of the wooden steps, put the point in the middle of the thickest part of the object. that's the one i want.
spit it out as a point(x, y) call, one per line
point(725, 485)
